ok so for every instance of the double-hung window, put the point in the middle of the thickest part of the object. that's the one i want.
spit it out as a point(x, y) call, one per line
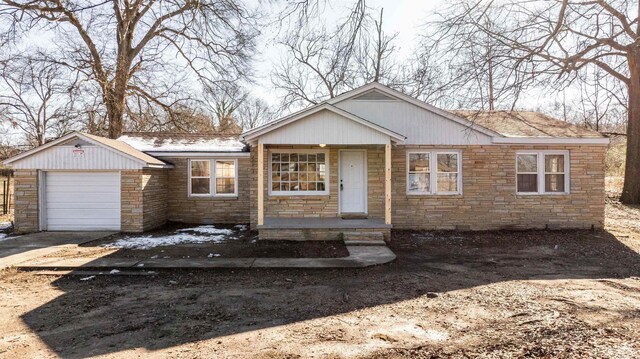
point(434, 172)
point(299, 172)
point(542, 172)
point(213, 178)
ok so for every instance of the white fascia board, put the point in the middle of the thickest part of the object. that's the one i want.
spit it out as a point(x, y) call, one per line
point(168, 166)
point(551, 140)
point(199, 154)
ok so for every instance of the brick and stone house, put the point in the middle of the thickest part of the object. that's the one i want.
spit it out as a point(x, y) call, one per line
point(366, 161)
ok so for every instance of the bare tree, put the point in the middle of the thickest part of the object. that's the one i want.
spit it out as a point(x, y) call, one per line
point(561, 38)
point(479, 71)
point(140, 48)
point(36, 99)
point(321, 63)
point(254, 112)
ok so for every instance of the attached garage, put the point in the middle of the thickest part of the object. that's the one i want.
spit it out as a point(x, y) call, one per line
point(82, 182)
point(78, 201)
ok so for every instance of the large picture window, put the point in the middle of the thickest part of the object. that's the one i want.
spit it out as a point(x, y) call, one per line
point(215, 177)
point(433, 172)
point(542, 172)
point(299, 172)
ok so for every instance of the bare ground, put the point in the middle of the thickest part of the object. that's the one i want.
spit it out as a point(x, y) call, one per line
point(563, 294)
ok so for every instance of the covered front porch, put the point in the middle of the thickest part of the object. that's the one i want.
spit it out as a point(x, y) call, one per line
point(327, 176)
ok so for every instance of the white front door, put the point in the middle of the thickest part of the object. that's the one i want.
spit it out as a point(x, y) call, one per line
point(353, 182)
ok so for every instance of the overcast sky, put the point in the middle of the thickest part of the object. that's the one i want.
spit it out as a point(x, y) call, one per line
point(403, 17)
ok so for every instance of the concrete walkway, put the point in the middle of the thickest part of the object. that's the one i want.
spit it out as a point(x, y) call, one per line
point(19, 249)
point(37, 251)
point(359, 257)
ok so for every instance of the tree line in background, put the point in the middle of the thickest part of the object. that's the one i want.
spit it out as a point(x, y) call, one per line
point(186, 66)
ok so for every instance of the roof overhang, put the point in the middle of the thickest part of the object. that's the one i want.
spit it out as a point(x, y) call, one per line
point(83, 137)
point(198, 154)
point(253, 134)
point(552, 140)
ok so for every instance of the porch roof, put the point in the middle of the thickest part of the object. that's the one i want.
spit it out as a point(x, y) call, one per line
point(323, 123)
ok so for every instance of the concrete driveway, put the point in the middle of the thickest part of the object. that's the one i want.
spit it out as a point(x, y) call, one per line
point(15, 250)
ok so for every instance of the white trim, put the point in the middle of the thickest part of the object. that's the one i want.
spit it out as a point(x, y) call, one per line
point(259, 131)
point(327, 176)
point(366, 179)
point(433, 172)
point(212, 179)
point(200, 154)
point(42, 205)
point(65, 138)
point(540, 172)
point(399, 95)
point(552, 140)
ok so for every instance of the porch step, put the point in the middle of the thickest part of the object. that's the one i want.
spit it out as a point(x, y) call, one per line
point(354, 216)
point(363, 238)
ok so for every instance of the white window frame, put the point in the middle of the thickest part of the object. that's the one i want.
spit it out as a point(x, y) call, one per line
point(212, 177)
point(327, 175)
point(433, 173)
point(541, 172)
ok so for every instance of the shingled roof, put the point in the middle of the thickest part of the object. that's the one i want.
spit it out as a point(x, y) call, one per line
point(526, 124)
point(182, 142)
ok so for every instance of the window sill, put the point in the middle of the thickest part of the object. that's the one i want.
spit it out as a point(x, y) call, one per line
point(216, 198)
point(298, 196)
point(536, 194)
point(435, 195)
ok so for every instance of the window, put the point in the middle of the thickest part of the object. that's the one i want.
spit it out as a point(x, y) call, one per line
point(542, 172)
point(445, 165)
point(299, 172)
point(224, 177)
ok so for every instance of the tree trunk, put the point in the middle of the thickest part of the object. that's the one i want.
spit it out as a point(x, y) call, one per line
point(631, 189)
point(115, 113)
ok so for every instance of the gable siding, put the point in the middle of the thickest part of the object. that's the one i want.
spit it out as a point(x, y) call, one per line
point(325, 127)
point(421, 127)
point(62, 158)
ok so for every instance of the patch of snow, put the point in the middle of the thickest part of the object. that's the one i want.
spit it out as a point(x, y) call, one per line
point(211, 255)
point(240, 227)
point(114, 271)
point(3, 236)
point(87, 278)
point(213, 144)
point(207, 230)
point(140, 265)
point(5, 225)
point(147, 242)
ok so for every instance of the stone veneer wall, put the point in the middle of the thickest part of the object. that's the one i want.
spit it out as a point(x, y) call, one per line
point(321, 205)
point(182, 208)
point(143, 200)
point(26, 201)
point(489, 199)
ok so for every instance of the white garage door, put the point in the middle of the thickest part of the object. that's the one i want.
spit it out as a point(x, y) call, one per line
point(77, 201)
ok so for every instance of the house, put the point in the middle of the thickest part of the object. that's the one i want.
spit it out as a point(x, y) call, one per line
point(366, 161)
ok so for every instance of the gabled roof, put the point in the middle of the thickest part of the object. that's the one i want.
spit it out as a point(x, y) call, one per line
point(375, 86)
point(258, 131)
point(159, 142)
point(112, 145)
point(527, 124)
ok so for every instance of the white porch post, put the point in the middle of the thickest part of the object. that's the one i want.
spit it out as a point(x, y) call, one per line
point(387, 183)
point(260, 182)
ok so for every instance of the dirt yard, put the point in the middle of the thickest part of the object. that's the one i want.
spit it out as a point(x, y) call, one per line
point(536, 294)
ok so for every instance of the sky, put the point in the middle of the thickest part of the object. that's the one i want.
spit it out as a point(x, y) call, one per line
point(403, 17)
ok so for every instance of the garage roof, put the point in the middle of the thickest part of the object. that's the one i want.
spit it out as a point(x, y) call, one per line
point(118, 147)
